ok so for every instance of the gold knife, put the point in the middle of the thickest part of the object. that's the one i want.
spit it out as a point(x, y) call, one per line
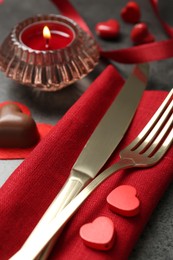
point(105, 138)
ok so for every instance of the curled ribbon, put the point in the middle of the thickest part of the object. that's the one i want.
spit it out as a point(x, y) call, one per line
point(165, 26)
point(138, 54)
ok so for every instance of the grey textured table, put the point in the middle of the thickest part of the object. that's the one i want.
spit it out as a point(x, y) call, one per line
point(157, 238)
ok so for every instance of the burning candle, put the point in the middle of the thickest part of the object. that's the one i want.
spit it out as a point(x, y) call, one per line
point(48, 35)
point(48, 52)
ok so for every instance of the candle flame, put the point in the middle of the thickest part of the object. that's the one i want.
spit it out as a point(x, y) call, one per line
point(46, 32)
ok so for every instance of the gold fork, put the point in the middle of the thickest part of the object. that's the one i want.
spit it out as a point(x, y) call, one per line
point(144, 151)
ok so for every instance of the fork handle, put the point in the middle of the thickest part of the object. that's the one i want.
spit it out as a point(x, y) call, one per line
point(31, 250)
point(70, 189)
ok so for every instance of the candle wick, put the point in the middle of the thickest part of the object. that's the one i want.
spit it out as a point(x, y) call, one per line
point(47, 43)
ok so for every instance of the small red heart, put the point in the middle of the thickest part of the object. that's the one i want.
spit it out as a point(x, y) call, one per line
point(140, 34)
point(131, 12)
point(123, 201)
point(99, 234)
point(109, 29)
point(149, 38)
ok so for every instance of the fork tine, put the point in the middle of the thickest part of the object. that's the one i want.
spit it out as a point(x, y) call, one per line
point(165, 146)
point(155, 131)
point(159, 141)
point(146, 130)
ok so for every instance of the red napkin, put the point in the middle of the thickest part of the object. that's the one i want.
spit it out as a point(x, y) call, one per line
point(32, 187)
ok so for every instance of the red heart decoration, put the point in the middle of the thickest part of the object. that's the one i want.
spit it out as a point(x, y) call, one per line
point(99, 234)
point(149, 38)
point(131, 13)
point(109, 29)
point(140, 34)
point(123, 201)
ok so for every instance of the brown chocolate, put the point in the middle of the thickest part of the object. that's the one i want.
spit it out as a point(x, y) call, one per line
point(16, 128)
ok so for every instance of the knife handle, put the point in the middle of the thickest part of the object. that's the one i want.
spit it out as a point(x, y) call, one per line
point(53, 230)
point(73, 185)
point(71, 188)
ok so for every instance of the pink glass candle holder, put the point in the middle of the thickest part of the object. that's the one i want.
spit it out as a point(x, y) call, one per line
point(51, 61)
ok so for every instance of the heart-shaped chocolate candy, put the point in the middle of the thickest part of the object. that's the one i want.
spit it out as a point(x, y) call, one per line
point(16, 128)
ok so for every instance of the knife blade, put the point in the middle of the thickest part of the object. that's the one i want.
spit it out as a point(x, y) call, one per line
point(105, 138)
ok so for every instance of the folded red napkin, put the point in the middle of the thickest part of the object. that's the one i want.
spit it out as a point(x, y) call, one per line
point(34, 184)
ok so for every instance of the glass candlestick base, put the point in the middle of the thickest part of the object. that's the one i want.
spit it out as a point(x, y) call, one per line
point(25, 58)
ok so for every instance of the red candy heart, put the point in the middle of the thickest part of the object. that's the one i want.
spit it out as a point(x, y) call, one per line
point(123, 201)
point(109, 29)
point(149, 38)
point(131, 13)
point(140, 34)
point(99, 234)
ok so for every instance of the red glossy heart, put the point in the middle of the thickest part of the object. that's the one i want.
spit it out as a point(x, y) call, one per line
point(99, 234)
point(149, 38)
point(140, 34)
point(123, 201)
point(108, 29)
point(131, 13)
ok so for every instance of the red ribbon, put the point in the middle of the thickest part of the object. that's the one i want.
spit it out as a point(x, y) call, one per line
point(138, 54)
point(165, 26)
